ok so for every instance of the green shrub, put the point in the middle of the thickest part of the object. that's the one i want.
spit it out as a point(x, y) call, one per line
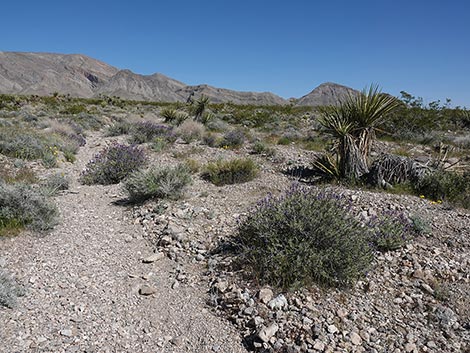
point(118, 128)
point(389, 231)
point(284, 141)
point(55, 183)
point(230, 172)
point(146, 131)
point(190, 130)
point(158, 183)
point(446, 186)
point(113, 164)
point(22, 174)
point(9, 290)
point(233, 139)
point(74, 109)
point(22, 206)
point(302, 238)
point(261, 148)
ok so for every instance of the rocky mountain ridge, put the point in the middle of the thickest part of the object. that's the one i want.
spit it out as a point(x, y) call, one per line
point(82, 76)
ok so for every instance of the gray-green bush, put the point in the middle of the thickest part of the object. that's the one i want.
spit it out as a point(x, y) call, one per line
point(22, 206)
point(158, 183)
point(233, 171)
point(9, 290)
point(301, 238)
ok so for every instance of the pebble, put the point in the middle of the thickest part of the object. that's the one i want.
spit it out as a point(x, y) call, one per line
point(66, 332)
point(332, 329)
point(355, 339)
point(265, 295)
point(266, 333)
point(154, 257)
point(278, 303)
point(147, 290)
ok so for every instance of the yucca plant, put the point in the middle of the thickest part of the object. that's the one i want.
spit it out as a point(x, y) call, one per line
point(199, 107)
point(353, 123)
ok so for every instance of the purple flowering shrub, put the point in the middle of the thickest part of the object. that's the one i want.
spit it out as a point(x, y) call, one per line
point(304, 237)
point(113, 164)
point(390, 231)
point(147, 131)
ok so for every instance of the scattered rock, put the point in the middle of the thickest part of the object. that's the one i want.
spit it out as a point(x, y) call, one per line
point(154, 257)
point(266, 333)
point(147, 290)
point(265, 295)
point(278, 303)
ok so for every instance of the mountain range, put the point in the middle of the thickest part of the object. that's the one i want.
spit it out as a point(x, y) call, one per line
point(82, 76)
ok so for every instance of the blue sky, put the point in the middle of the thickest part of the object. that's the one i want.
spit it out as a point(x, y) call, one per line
point(286, 47)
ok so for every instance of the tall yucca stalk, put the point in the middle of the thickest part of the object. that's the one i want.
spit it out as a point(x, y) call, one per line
point(353, 123)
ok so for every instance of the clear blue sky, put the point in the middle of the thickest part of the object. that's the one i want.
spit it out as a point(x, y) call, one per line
point(286, 47)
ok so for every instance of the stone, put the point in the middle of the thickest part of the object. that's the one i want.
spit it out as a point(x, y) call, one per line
point(66, 332)
point(177, 341)
point(278, 303)
point(332, 329)
point(355, 339)
point(153, 258)
point(319, 346)
point(147, 290)
point(266, 333)
point(411, 347)
point(265, 295)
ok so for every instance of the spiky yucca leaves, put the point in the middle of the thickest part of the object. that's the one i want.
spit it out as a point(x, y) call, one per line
point(353, 123)
point(199, 107)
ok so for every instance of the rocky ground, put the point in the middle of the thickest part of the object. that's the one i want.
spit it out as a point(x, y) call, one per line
point(111, 278)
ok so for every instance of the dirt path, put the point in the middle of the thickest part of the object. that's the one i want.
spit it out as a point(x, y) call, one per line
point(83, 283)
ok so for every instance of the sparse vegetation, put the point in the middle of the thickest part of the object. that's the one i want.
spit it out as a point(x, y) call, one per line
point(302, 238)
point(23, 207)
point(113, 164)
point(232, 171)
point(158, 183)
point(9, 290)
point(190, 131)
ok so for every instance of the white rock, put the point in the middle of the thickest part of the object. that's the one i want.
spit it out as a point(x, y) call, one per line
point(265, 295)
point(355, 339)
point(278, 303)
point(332, 329)
point(154, 257)
point(266, 333)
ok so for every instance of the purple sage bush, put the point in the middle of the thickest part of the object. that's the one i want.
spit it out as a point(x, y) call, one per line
point(390, 231)
point(304, 237)
point(113, 164)
point(147, 131)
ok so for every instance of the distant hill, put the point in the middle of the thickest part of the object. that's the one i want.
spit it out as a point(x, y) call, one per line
point(326, 94)
point(82, 76)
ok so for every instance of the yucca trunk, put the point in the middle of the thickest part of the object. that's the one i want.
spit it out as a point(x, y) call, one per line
point(353, 164)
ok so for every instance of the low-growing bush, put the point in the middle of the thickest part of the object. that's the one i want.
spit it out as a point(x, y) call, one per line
point(190, 131)
point(262, 148)
point(113, 164)
point(22, 174)
point(389, 231)
point(233, 139)
point(147, 131)
point(118, 128)
point(9, 290)
point(22, 206)
point(158, 183)
point(302, 238)
point(232, 171)
point(55, 183)
point(446, 186)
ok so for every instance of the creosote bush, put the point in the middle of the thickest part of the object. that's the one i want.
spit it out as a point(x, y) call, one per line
point(302, 238)
point(233, 139)
point(22, 206)
point(158, 183)
point(190, 131)
point(146, 131)
point(233, 171)
point(113, 164)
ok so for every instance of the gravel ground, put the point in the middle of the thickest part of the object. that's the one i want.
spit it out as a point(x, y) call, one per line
point(88, 289)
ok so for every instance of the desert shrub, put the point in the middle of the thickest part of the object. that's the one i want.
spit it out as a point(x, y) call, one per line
point(210, 139)
point(55, 183)
point(147, 131)
point(190, 130)
point(284, 140)
point(158, 144)
point(158, 183)
point(22, 144)
point(20, 175)
point(233, 171)
point(420, 226)
point(389, 231)
point(22, 206)
point(74, 109)
point(192, 165)
point(217, 125)
point(118, 128)
point(9, 290)
point(301, 238)
point(233, 139)
point(113, 164)
point(448, 186)
point(262, 148)
point(88, 121)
